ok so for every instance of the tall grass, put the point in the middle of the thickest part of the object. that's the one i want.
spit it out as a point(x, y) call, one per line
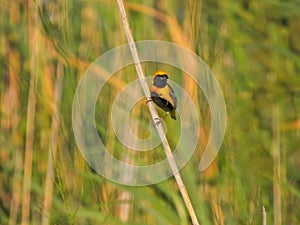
point(253, 49)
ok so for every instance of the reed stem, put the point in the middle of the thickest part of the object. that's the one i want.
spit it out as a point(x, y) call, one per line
point(154, 113)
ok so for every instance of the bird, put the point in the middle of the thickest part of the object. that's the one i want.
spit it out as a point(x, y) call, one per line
point(163, 95)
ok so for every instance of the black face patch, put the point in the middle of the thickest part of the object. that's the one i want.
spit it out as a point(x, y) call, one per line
point(163, 75)
point(160, 80)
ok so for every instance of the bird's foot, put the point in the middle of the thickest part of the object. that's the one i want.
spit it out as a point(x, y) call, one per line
point(161, 119)
point(158, 122)
point(149, 100)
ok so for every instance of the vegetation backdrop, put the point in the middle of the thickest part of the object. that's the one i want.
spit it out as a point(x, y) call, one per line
point(253, 48)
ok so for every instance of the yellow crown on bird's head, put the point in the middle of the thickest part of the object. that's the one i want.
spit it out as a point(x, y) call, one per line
point(160, 73)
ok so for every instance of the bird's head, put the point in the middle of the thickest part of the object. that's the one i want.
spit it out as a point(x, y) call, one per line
point(160, 78)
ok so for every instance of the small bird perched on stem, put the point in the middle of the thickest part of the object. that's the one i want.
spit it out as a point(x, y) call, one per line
point(163, 95)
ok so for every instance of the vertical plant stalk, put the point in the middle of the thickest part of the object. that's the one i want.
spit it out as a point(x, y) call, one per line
point(125, 197)
point(12, 106)
point(276, 167)
point(52, 146)
point(33, 37)
point(154, 113)
point(264, 216)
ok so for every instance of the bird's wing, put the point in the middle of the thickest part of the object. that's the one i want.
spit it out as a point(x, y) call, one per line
point(166, 93)
point(173, 96)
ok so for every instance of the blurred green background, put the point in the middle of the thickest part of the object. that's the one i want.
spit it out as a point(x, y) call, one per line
point(253, 48)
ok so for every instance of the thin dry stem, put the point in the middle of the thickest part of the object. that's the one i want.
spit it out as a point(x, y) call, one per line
point(34, 38)
point(276, 167)
point(154, 114)
point(53, 146)
point(11, 106)
point(264, 215)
